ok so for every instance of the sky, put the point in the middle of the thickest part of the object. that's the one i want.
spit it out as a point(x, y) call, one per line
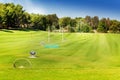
point(72, 8)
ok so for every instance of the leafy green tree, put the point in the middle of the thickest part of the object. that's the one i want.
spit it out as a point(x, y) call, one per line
point(1, 15)
point(78, 23)
point(52, 21)
point(26, 20)
point(64, 22)
point(11, 15)
point(72, 26)
point(108, 23)
point(19, 16)
point(85, 28)
point(68, 23)
point(88, 20)
point(115, 27)
point(95, 22)
point(102, 26)
point(38, 22)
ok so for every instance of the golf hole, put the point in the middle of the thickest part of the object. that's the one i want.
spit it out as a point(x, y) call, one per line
point(22, 63)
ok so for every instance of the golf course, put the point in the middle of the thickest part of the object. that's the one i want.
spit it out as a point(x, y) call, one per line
point(78, 56)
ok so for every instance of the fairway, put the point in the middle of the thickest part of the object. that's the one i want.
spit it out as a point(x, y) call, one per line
point(81, 56)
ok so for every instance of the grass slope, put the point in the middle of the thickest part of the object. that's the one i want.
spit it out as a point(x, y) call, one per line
point(80, 57)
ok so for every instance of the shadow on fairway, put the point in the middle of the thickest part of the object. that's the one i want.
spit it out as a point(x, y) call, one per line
point(28, 30)
point(5, 30)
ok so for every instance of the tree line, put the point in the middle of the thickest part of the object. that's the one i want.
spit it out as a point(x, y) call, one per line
point(14, 17)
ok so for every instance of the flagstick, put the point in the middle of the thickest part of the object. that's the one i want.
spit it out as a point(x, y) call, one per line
point(48, 34)
point(62, 34)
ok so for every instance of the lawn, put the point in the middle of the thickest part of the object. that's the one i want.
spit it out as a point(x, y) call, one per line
point(80, 56)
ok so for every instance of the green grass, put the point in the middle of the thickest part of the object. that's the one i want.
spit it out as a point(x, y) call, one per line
point(80, 57)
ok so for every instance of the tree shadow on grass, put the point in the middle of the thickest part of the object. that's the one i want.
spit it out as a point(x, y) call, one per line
point(5, 30)
point(25, 30)
point(28, 30)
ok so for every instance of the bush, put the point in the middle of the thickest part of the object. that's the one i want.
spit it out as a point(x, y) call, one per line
point(85, 28)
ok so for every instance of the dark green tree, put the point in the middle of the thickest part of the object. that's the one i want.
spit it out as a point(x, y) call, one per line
point(52, 21)
point(95, 22)
point(88, 20)
point(38, 21)
point(102, 26)
point(115, 26)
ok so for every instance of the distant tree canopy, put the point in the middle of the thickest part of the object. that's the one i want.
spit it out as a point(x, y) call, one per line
point(14, 17)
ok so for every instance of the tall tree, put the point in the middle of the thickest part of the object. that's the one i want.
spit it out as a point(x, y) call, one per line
point(19, 15)
point(88, 20)
point(52, 21)
point(11, 15)
point(26, 20)
point(95, 22)
point(115, 26)
point(1, 14)
point(72, 26)
point(65, 21)
point(38, 21)
point(102, 26)
point(108, 23)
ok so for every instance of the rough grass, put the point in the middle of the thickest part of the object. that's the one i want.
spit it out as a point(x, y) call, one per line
point(79, 57)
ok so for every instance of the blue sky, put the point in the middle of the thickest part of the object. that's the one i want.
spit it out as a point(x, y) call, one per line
point(72, 8)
